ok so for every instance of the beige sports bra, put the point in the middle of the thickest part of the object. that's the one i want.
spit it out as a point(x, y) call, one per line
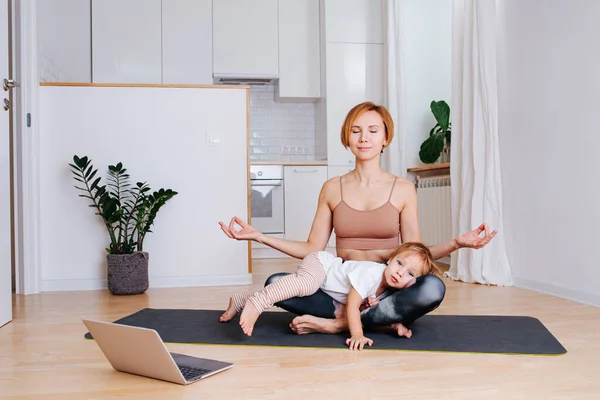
point(377, 229)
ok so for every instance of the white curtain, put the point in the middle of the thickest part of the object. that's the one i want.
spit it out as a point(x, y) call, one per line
point(475, 165)
point(395, 153)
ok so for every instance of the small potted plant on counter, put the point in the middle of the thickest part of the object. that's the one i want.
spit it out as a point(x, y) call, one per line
point(128, 214)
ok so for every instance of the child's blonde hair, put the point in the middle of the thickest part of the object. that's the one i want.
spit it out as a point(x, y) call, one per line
point(419, 249)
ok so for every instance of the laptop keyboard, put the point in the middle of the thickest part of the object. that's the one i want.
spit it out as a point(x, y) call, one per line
point(191, 373)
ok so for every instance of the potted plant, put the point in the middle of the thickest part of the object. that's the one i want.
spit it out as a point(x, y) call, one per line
point(439, 136)
point(128, 214)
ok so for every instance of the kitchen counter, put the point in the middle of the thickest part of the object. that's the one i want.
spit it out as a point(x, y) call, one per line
point(299, 163)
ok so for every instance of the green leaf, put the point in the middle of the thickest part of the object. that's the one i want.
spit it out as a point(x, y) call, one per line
point(431, 148)
point(441, 112)
point(80, 162)
point(433, 129)
point(95, 183)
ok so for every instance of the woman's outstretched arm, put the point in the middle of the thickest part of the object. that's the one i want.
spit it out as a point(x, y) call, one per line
point(409, 229)
point(317, 239)
point(472, 240)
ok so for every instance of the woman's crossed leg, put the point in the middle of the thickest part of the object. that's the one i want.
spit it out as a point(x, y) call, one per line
point(319, 313)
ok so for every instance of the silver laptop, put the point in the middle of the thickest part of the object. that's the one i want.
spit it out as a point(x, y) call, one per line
point(141, 351)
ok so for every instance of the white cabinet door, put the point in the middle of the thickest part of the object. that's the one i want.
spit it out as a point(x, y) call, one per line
point(354, 21)
point(245, 38)
point(187, 42)
point(354, 75)
point(299, 50)
point(334, 171)
point(302, 187)
point(126, 41)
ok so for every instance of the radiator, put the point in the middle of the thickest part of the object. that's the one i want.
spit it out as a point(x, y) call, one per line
point(435, 209)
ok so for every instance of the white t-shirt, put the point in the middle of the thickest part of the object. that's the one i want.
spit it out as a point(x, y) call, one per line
point(340, 276)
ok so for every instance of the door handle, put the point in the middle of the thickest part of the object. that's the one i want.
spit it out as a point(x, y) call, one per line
point(9, 84)
point(305, 172)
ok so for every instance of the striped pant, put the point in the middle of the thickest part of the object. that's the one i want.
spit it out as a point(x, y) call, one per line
point(307, 279)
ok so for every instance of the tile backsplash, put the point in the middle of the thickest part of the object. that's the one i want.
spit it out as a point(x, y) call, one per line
point(280, 131)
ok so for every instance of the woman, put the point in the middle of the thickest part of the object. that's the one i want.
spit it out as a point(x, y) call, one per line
point(369, 209)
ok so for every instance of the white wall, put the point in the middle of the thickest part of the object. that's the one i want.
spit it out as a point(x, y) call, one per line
point(160, 135)
point(427, 66)
point(549, 144)
point(64, 40)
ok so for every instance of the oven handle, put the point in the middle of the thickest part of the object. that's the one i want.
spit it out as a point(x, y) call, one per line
point(266, 182)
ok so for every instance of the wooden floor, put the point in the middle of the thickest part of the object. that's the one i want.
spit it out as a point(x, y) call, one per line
point(44, 355)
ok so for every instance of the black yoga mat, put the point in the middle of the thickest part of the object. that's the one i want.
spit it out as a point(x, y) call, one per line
point(455, 333)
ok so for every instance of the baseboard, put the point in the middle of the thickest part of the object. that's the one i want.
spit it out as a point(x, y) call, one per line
point(61, 285)
point(578, 296)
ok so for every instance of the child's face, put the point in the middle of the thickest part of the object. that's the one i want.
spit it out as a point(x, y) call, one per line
point(402, 270)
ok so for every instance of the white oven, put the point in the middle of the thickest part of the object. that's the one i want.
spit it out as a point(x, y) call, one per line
point(266, 185)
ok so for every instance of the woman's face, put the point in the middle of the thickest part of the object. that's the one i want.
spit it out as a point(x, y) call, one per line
point(367, 136)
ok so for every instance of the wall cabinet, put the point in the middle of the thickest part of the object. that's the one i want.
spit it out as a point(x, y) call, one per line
point(299, 51)
point(245, 37)
point(126, 41)
point(354, 74)
point(187, 42)
point(355, 21)
point(302, 187)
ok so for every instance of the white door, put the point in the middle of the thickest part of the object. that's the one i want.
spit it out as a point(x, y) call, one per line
point(5, 232)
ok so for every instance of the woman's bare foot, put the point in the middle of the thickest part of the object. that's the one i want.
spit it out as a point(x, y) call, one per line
point(401, 330)
point(248, 317)
point(309, 324)
point(229, 313)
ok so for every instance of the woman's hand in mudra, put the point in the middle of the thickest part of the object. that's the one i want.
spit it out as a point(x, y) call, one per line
point(248, 232)
point(474, 240)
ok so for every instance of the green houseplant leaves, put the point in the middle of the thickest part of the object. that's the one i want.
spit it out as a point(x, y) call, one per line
point(440, 134)
point(127, 212)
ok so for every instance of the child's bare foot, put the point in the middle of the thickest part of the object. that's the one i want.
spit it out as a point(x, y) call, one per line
point(229, 313)
point(402, 330)
point(248, 317)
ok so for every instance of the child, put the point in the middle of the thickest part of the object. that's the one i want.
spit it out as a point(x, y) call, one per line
point(348, 282)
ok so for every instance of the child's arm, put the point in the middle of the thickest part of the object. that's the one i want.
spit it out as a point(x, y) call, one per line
point(357, 340)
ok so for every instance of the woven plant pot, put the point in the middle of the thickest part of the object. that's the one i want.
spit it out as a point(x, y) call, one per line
point(127, 273)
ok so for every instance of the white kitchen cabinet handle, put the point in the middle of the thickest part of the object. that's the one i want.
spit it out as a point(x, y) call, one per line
point(306, 172)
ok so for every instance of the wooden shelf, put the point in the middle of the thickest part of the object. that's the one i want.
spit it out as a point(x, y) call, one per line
point(432, 167)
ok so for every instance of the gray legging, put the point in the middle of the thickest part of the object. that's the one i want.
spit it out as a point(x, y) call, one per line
point(404, 306)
